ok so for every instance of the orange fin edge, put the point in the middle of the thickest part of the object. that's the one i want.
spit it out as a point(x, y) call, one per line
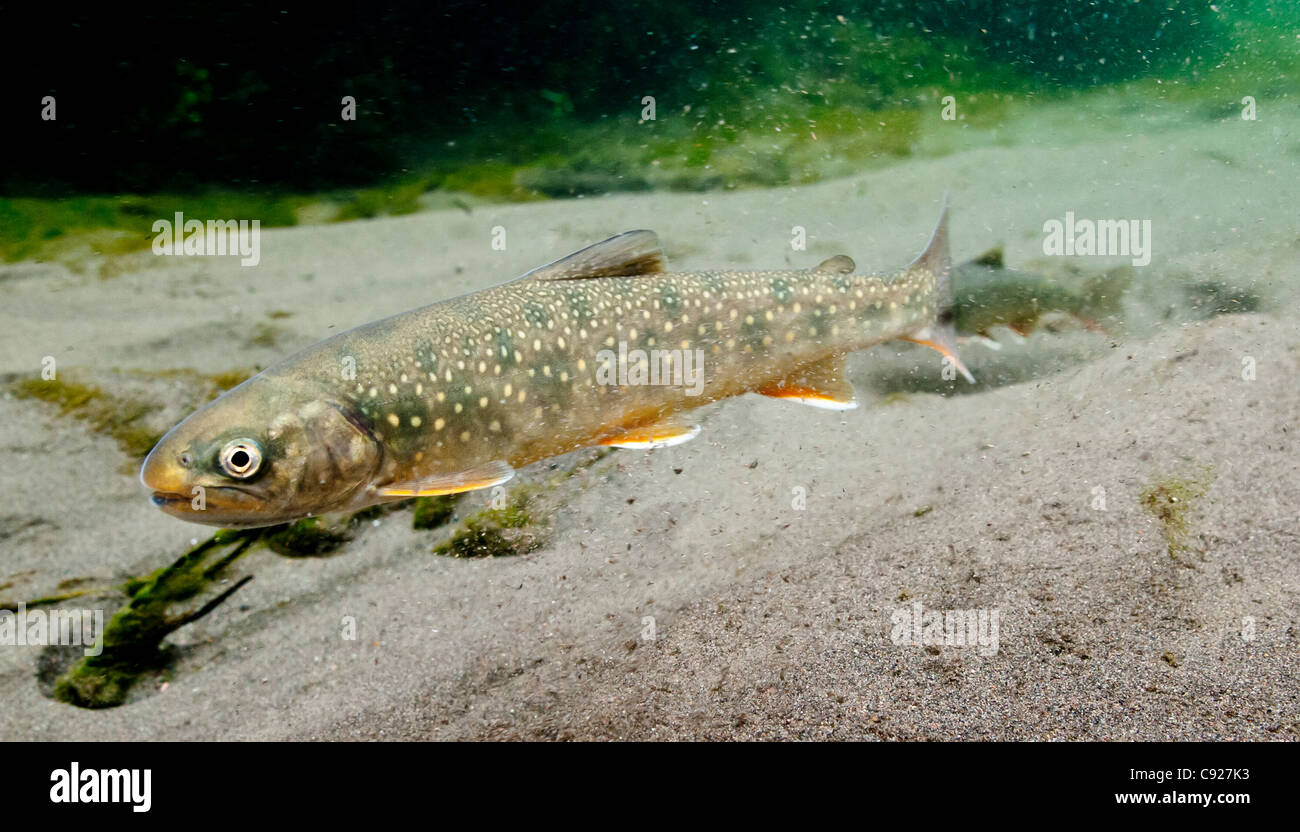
point(657, 435)
point(494, 473)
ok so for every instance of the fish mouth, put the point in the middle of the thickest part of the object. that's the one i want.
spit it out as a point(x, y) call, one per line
point(161, 498)
point(220, 506)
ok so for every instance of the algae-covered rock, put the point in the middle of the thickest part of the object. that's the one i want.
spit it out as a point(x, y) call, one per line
point(495, 532)
point(432, 512)
point(306, 538)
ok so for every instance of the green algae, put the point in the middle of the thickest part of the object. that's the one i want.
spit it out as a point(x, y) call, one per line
point(432, 512)
point(173, 596)
point(230, 378)
point(495, 532)
point(68, 229)
point(491, 180)
point(374, 513)
point(393, 201)
point(213, 384)
point(850, 92)
point(1172, 500)
point(265, 335)
point(309, 537)
point(119, 417)
point(47, 600)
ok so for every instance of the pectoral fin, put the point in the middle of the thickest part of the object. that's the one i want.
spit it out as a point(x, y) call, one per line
point(483, 476)
point(658, 435)
point(820, 385)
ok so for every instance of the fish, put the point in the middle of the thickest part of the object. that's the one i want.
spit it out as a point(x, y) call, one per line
point(458, 395)
point(987, 294)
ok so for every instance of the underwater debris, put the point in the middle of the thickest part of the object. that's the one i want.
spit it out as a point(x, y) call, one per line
point(1210, 298)
point(1171, 500)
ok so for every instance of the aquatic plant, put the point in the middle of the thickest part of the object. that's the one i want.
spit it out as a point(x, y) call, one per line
point(1171, 501)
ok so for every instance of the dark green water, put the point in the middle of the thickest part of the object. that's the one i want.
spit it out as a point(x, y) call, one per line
point(232, 111)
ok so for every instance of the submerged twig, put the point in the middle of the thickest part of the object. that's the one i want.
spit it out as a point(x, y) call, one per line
point(131, 644)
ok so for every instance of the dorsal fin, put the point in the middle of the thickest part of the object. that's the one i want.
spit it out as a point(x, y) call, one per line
point(939, 334)
point(991, 258)
point(627, 254)
point(839, 264)
point(935, 257)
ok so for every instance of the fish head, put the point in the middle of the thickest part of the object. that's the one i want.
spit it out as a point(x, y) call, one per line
point(268, 451)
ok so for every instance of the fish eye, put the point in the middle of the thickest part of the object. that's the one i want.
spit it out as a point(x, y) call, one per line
point(240, 458)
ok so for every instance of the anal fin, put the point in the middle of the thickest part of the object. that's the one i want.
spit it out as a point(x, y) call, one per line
point(472, 479)
point(664, 434)
point(821, 385)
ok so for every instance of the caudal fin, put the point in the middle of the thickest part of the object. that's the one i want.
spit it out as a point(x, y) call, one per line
point(1103, 299)
point(939, 334)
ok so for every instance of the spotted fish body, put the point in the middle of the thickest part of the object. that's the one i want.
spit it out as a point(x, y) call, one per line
point(456, 395)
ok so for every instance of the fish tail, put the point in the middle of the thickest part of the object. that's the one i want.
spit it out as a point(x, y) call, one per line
point(1103, 297)
point(939, 333)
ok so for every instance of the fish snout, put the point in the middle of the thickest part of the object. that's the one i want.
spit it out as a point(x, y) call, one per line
point(164, 474)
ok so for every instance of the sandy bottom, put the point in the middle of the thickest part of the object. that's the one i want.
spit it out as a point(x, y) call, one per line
point(681, 594)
